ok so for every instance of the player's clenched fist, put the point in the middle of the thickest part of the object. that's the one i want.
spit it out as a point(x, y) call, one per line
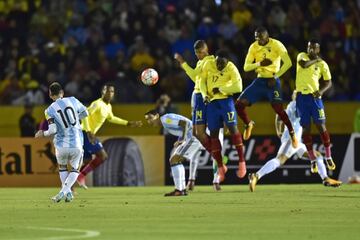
point(179, 58)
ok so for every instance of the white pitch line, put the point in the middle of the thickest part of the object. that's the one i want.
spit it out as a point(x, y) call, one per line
point(86, 233)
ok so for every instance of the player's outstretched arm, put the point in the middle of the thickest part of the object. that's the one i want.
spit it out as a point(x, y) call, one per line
point(134, 123)
point(191, 72)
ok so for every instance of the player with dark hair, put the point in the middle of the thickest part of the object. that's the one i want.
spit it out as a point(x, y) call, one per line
point(197, 102)
point(265, 56)
point(64, 116)
point(220, 79)
point(99, 111)
point(310, 68)
point(186, 147)
point(198, 106)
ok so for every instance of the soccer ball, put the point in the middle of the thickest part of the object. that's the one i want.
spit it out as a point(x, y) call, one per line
point(149, 76)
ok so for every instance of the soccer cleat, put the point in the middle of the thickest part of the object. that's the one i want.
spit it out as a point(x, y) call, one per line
point(241, 172)
point(216, 187)
point(191, 184)
point(248, 129)
point(58, 197)
point(81, 181)
point(221, 172)
point(330, 164)
point(329, 182)
point(314, 167)
point(176, 193)
point(253, 178)
point(294, 141)
point(69, 197)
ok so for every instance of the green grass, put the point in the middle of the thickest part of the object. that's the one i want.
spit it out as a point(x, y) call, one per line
point(272, 212)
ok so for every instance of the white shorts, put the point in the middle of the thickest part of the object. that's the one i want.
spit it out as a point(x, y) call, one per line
point(72, 156)
point(187, 149)
point(287, 149)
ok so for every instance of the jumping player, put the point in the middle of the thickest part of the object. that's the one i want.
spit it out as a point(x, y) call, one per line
point(265, 56)
point(310, 68)
point(198, 106)
point(220, 79)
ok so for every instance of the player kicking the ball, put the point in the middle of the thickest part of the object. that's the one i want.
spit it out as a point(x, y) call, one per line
point(286, 151)
point(186, 147)
point(64, 116)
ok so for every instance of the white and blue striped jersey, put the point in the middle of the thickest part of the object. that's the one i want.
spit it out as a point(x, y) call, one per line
point(171, 121)
point(66, 114)
point(295, 121)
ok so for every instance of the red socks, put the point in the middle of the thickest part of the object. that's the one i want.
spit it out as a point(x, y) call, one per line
point(91, 166)
point(279, 109)
point(240, 109)
point(238, 143)
point(216, 151)
point(325, 138)
point(207, 143)
point(307, 140)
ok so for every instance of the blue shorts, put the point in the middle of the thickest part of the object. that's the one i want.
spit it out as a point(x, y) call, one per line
point(259, 90)
point(309, 107)
point(89, 148)
point(199, 110)
point(221, 111)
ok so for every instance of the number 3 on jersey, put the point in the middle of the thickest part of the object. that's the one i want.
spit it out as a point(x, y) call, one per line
point(68, 117)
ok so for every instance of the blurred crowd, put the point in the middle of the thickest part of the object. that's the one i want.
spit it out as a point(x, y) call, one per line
point(85, 43)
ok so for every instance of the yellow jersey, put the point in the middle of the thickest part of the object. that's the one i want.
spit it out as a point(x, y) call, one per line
point(99, 111)
point(228, 80)
point(307, 79)
point(194, 73)
point(273, 50)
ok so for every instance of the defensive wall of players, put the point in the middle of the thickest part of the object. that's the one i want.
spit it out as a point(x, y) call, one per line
point(340, 117)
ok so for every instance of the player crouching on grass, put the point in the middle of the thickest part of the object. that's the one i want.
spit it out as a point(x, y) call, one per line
point(186, 147)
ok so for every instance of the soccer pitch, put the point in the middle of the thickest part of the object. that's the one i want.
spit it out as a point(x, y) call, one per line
point(272, 212)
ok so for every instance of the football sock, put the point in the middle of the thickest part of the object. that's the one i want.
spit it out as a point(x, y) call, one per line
point(307, 140)
point(241, 111)
point(193, 167)
point(216, 151)
point(207, 143)
point(91, 166)
point(325, 138)
point(70, 180)
point(279, 109)
point(177, 174)
point(215, 172)
point(183, 179)
point(321, 168)
point(63, 175)
point(237, 141)
point(269, 167)
point(221, 136)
